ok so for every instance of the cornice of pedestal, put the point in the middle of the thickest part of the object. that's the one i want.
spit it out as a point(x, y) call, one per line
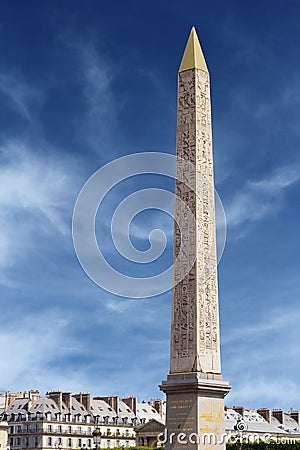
point(193, 383)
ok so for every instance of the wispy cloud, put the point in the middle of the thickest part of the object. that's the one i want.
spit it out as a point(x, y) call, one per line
point(18, 92)
point(95, 72)
point(33, 200)
point(257, 199)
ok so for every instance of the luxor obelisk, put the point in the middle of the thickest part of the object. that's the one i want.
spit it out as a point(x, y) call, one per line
point(194, 388)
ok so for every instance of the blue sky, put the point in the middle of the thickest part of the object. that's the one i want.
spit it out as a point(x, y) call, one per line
point(82, 83)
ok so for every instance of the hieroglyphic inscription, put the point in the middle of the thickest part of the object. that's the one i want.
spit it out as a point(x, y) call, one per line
point(195, 328)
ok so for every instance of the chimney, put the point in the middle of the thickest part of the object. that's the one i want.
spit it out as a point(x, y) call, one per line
point(34, 395)
point(78, 397)
point(131, 403)
point(265, 413)
point(239, 409)
point(157, 405)
point(86, 401)
point(279, 415)
point(112, 400)
point(296, 416)
point(57, 397)
point(67, 400)
point(10, 397)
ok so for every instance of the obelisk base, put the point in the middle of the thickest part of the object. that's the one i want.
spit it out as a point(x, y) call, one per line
point(195, 411)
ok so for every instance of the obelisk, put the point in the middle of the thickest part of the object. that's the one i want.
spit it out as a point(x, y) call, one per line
point(194, 388)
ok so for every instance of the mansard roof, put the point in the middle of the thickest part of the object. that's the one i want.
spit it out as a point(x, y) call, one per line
point(18, 405)
point(44, 405)
point(102, 409)
point(146, 411)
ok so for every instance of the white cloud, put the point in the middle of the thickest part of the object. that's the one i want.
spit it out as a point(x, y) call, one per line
point(257, 353)
point(27, 353)
point(257, 199)
point(258, 392)
point(276, 320)
point(33, 200)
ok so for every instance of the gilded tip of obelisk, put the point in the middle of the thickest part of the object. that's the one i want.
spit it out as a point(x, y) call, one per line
point(193, 56)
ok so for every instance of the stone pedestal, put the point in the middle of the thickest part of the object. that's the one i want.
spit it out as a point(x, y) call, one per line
point(195, 412)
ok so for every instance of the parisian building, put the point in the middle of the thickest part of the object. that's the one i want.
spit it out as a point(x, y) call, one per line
point(62, 420)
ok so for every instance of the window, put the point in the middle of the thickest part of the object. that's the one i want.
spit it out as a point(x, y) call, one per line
point(49, 442)
point(18, 428)
point(78, 442)
point(127, 444)
point(117, 443)
point(59, 428)
point(69, 442)
point(108, 431)
point(89, 430)
point(49, 428)
point(26, 442)
point(89, 443)
point(108, 444)
point(69, 429)
point(36, 441)
point(79, 429)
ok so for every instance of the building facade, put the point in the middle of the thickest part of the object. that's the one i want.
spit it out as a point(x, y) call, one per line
point(63, 420)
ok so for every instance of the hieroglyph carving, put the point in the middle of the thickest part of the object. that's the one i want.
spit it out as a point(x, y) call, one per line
point(195, 325)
